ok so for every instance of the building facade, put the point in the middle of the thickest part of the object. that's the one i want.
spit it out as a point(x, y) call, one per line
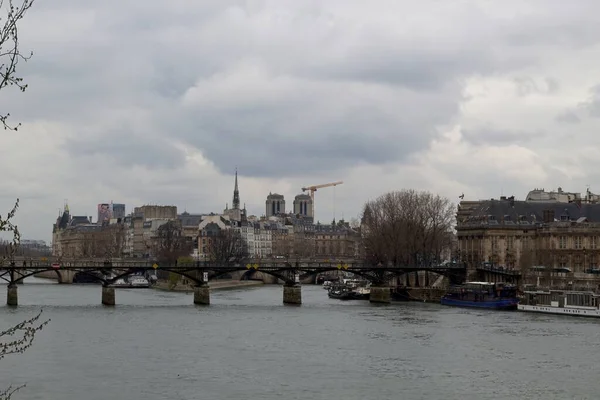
point(554, 241)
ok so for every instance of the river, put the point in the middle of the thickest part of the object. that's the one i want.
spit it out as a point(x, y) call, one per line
point(247, 345)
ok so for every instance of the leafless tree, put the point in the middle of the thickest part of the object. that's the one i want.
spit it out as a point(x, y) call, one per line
point(20, 337)
point(109, 241)
point(407, 228)
point(227, 248)
point(10, 54)
point(170, 243)
point(303, 246)
point(16, 340)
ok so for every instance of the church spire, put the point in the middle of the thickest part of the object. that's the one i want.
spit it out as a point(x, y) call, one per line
point(236, 194)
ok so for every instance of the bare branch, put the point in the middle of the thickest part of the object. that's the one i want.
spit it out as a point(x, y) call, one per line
point(20, 337)
point(407, 228)
point(10, 54)
point(227, 248)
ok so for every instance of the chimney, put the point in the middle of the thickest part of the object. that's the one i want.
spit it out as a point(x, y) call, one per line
point(548, 216)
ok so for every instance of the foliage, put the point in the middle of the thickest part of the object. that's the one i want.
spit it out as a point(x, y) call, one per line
point(173, 279)
point(407, 228)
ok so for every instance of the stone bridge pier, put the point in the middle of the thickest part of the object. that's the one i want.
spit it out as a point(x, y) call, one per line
point(65, 276)
point(380, 294)
point(12, 297)
point(108, 295)
point(292, 291)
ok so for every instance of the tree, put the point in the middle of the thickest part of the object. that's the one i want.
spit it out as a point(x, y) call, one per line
point(227, 248)
point(407, 228)
point(109, 241)
point(20, 337)
point(16, 340)
point(10, 54)
point(170, 244)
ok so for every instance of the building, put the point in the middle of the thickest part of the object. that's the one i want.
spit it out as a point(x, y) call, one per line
point(208, 229)
point(303, 206)
point(557, 237)
point(560, 196)
point(77, 237)
point(275, 205)
point(156, 212)
point(235, 213)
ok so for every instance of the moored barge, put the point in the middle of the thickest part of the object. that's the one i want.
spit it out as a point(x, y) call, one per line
point(496, 296)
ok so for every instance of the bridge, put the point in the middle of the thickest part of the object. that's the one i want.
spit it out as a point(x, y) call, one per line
point(201, 272)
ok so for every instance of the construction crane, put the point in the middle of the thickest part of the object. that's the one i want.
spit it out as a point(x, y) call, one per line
point(313, 189)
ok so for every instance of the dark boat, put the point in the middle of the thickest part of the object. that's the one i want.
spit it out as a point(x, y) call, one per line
point(341, 292)
point(495, 296)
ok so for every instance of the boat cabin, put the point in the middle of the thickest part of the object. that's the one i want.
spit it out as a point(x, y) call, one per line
point(480, 291)
point(561, 299)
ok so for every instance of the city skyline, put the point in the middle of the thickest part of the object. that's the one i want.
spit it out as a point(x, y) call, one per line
point(480, 99)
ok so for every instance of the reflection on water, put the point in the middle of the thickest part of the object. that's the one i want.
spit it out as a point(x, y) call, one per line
point(157, 345)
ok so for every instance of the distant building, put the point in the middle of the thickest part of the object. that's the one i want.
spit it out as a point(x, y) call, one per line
point(556, 241)
point(275, 205)
point(235, 213)
point(560, 196)
point(303, 205)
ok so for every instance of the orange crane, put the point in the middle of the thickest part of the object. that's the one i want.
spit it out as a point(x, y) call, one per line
point(313, 189)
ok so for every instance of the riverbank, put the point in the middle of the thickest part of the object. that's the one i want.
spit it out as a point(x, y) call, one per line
point(214, 285)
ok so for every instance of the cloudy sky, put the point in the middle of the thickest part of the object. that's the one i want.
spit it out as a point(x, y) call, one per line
point(157, 102)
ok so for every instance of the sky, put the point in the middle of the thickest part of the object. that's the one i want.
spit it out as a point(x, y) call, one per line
point(159, 102)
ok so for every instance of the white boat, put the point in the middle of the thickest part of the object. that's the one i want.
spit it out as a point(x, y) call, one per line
point(120, 283)
point(327, 285)
point(138, 282)
point(563, 302)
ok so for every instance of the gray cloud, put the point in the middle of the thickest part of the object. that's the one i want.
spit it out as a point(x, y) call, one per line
point(500, 137)
point(568, 117)
point(286, 89)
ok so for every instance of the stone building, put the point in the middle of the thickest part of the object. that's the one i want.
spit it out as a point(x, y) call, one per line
point(275, 205)
point(536, 237)
point(336, 241)
point(303, 206)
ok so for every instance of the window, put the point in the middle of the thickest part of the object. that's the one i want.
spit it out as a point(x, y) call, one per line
point(593, 242)
point(510, 242)
point(578, 242)
point(562, 242)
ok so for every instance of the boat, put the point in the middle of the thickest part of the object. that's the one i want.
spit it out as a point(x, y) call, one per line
point(341, 292)
point(362, 293)
point(496, 296)
point(563, 302)
point(327, 285)
point(120, 283)
point(349, 292)
point(138, 282)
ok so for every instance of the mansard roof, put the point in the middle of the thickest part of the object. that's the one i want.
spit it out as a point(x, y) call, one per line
point(494, 212)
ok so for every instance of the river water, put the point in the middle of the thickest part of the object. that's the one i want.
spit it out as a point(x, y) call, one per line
point(247, 345)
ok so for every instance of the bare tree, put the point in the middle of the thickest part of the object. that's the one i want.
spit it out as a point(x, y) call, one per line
point(227, 248)
point(109, 241)
point(170, 243)
point(16, 340)
point(407, 228)
point(20, 337)
point(303, 246)
point(10, 54)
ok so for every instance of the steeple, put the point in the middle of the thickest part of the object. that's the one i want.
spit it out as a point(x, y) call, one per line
point(236, 194)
